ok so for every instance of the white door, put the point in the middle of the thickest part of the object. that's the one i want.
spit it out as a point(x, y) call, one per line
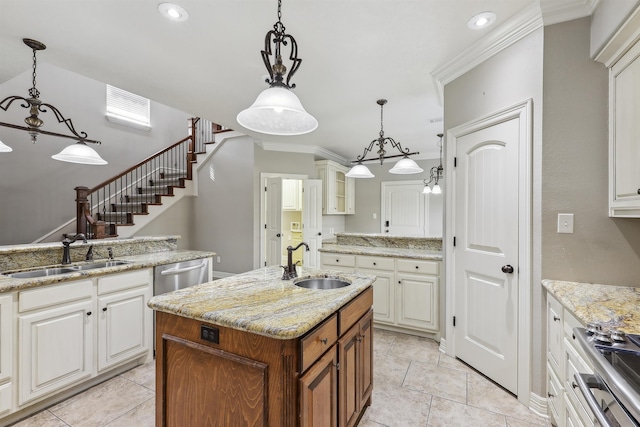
point(403, 208)
point(273, 221)
point(486, 251)
point(312, 221)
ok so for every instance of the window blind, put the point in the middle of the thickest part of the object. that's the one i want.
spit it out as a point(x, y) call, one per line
point(128, 106)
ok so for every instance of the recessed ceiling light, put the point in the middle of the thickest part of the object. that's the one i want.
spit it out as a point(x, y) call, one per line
point(481, 20)
point(173, 12)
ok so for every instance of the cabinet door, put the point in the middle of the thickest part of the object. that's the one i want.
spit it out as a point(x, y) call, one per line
point(418, 302)
point(366, 358)
point(351, 195)
point(555, 350)
point(6, 337)
point(383, 295)
point(319, 392)
point(123, 326)
point(55, 348)
point(349, 357)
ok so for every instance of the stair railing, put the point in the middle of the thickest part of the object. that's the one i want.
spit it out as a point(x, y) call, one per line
point(133, 188)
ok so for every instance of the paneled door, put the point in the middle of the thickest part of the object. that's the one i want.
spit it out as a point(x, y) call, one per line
point(312, 221)
point(403, 208)
point(486, 251)
point(273, 221)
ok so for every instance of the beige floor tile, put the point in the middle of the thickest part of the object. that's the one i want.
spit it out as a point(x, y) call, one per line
point(447, 361)
point(416, 348)
point(383, 340)
point(397, 406)
point(445, 412)
point(389, 369)
point(512, 422)
point(145, 375)
point(368, 423)
point(102, 404)
point(436, 380)
point(141, 416)
point(42, 419)
point(486, 395)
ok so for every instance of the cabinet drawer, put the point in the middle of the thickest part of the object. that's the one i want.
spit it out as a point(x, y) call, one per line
point(575, 364)
point(349, 314)
point(119, 282)
point(339, 260)
point(53, 295)
point(417, 266)
point(318, 341)
point(376, 263)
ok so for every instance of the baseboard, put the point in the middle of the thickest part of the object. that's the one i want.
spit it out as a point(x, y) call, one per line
point(538, 404)
point(443, 345)
point(222, 274)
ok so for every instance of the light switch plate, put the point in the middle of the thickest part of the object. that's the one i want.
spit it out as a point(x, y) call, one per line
point(565, 223)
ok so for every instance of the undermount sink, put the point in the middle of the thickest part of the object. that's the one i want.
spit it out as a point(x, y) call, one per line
point(322, 283)
point(53, 271)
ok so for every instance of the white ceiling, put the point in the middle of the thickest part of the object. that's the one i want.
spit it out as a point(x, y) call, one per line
point(353, 53)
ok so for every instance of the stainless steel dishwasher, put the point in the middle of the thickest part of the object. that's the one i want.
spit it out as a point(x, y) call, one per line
point(179, 275)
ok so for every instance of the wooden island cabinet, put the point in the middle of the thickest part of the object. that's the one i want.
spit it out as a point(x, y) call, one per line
point(211, 374)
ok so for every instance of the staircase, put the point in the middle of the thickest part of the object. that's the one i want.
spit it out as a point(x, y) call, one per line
point(124, 200)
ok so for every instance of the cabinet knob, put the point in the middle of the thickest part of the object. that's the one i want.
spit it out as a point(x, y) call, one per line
point(337, 260)
point(374, 263)
point(551, 395)
point(573, 384)
point(278, 235)
point(104, 309)
point(324, 340)
point(319, 234)
point(417, 267)
point(638, 190)
point(556, 318)
point(88, 313)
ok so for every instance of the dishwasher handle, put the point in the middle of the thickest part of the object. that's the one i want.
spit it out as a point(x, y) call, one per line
point(585, 383)
point(176, 270)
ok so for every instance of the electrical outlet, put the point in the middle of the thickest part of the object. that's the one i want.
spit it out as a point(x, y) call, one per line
point(565, 223)
point(218, 259)
point(375, 215)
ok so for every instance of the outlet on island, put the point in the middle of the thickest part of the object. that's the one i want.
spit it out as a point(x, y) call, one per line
point(218, 258)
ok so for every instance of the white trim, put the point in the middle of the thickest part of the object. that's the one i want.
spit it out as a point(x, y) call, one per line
point(623, 39)
point(305, 149)
point(515, 29)
point(125, 122)
point(556, 11)
point(524, 112)
point(222, 274)
point(538, 405)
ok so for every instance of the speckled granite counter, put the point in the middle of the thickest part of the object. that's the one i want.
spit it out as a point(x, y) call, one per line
point(260, 302)
point(618, 306)
point(141, 252)
point(427, 248)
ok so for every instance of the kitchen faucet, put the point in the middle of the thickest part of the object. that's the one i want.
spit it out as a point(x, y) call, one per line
point(66, 256)
point(290, 268)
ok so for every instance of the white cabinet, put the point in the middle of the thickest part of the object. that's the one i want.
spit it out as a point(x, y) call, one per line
point(55, 331)
point(291, 195)
point(405, 293)
point(6, 352)
point(624, 135)
point(124, 320)
point(338, 190)
point(566, 405)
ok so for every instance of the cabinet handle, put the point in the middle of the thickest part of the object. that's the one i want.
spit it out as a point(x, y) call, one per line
point(573, 384)
point(88, 313)
point(104, 309)
point(551, 395)
point(556, 318)
point(324, 340)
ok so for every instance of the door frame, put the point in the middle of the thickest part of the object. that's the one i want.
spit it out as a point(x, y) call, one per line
point(523, 111)
point(263, 218)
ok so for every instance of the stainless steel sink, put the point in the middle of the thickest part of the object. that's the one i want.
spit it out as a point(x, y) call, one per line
point(322, 283)
point(42, 273)
point(103, 264)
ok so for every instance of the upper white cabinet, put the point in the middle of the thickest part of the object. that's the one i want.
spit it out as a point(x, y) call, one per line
point(624, 135)
point(291, 195)
point(338, 190)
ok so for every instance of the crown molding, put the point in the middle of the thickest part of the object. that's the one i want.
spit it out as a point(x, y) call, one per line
point(515, 29)
point(556, 11)
point(621, 41)
point(305, 149)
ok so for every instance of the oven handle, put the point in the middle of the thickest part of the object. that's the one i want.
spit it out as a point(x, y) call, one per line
point(585, 383)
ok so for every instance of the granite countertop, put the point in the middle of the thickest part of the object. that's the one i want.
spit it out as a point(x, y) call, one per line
point(618, 306)
point(137, 262)
point(261, 303)
point(382, 251)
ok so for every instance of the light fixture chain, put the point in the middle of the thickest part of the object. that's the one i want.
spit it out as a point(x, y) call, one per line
point(381, 121)
point(34, 92)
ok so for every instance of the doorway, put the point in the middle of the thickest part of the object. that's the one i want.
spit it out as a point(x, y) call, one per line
point(488, 265)
point(406, 211)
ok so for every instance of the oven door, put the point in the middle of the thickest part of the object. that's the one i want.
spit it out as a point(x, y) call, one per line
point(608, 411)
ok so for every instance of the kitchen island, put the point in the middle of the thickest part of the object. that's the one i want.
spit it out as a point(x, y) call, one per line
point(255, 350)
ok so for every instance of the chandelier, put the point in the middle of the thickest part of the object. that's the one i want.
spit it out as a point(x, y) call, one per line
point(277, 110)
point(79, 152)
point(435, 174)
point(403, 166)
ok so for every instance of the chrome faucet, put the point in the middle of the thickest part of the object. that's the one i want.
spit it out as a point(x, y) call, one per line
point(66, 256)
point(290, 268)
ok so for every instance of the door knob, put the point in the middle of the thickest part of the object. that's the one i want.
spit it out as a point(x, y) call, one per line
point(507, 269)
point(278, 235)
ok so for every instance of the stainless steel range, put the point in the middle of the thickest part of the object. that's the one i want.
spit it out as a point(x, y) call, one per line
point(613, 390)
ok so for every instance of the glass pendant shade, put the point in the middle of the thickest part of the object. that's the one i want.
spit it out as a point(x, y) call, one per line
point(359, 171)
point(80, 153)
point(5, 148)
point(406, 166)
point(426, 190)
point(436, 189)
point(277, 111)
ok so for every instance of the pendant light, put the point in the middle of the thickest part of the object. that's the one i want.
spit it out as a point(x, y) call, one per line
point(435, 175)
point(277, 110)
point(404, 166)
point(79, 152)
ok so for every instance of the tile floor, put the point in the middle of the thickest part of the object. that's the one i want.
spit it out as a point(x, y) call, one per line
point(414, 385)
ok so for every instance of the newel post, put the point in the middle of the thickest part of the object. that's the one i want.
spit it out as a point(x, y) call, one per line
point(81, 205)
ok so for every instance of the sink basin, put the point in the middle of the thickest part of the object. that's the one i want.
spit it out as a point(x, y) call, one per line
point(95, 265)
point(42, 273)
point(322, 283)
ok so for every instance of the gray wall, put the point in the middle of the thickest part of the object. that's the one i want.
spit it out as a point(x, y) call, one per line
point(177, 221)
point(37, 191)
point(575, 168)
point(512, 76)
point(368, 196)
